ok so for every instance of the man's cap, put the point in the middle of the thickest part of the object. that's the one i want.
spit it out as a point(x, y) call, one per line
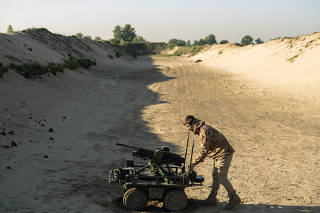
point(188, 120)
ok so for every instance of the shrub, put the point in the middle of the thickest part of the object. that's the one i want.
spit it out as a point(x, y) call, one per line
point(259, 41)
point(10, 29)
point(54, 68)
point(73, 63)
point(86, 63)
point(30, 70)
point(246, 40)
point(189, 50)
point(224, 41)
point(79, 35)
point(97, 38)
point(292, 58)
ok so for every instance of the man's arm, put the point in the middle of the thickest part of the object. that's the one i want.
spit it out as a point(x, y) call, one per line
point(204, 149)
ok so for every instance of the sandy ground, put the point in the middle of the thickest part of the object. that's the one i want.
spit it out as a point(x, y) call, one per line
point(276, 167)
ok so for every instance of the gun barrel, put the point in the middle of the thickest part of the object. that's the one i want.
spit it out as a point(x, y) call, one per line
point(131, 147)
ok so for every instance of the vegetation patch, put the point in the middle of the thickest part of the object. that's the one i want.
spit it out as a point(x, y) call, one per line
point(73, 63)
point(34, 69)
point(292, 58)
point(30, 70)
point(55, 68)
point(193, 50)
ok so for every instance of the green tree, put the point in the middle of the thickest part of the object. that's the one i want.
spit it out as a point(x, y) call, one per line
point(246, 40)
point(117, 33)
point(97, 38)
point(88, 37)
point(114, 41)
point(259, 41)
point(139, 39)
point(79, 35)
point(10, 29)
point(224, 41)
point(188, 43)
point(128, 33)
point(210, 39)
point(176, 42)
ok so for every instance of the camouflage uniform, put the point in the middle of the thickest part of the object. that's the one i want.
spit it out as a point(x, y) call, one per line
point(215, 145)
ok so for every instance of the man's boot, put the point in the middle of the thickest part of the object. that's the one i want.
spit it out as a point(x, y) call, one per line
point(233, 202)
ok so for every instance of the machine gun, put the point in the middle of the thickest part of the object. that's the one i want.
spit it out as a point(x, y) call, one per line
point(164, 178)
point(159, 156)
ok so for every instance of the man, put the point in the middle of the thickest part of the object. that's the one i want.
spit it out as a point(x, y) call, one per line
point(214, 145)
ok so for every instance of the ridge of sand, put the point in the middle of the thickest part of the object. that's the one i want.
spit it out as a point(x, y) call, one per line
point(42, 46)
point(282, 61)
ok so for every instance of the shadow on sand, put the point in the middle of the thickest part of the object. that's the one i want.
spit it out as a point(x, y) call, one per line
point(193, 206)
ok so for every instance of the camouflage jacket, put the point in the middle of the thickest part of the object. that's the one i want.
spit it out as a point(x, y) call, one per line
point(213, 143)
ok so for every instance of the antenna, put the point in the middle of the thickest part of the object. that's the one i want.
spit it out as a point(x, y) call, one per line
point(191, 156)
point(186, 152)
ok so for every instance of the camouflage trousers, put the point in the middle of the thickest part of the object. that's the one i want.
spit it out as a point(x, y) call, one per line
point(220, 175)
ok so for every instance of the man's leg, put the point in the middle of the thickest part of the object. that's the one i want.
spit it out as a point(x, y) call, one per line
point(215, 182)
point(223, 169)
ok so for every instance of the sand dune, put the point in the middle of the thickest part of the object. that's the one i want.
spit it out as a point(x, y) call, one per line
point(281, 61)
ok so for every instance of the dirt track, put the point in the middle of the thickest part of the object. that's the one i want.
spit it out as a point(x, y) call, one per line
point(276, 135)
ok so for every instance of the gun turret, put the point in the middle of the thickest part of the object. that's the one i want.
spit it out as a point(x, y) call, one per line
point(160, 156)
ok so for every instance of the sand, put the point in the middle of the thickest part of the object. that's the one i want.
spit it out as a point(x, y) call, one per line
point(66, 127)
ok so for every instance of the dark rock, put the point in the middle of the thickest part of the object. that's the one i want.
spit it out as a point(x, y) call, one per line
point(51, 138)
point(30, 49)
point(199, 60)
point(50, 129)
point(3, 133)
point(6, 146)
point(8, 167)
point(63, 117)
point(42, 125)
point(13, 143)
point(30, 117)
point(45, 156)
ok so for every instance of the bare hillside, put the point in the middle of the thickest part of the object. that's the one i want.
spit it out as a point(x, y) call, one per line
point(280, 61)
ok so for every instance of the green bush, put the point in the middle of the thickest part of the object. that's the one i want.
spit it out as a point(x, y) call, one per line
point(54, 68)
point(86, 63)
point(292, 58)
point(73, 63)
point(30, 70)
point(189, 50)
point(246, 40)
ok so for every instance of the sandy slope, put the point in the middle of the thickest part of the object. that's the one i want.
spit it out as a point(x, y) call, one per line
point(281, 61)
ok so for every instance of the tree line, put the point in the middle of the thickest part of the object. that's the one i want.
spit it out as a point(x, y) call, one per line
point(127, 35)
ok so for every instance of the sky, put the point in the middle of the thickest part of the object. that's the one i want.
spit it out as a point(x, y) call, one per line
point(161, 20)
